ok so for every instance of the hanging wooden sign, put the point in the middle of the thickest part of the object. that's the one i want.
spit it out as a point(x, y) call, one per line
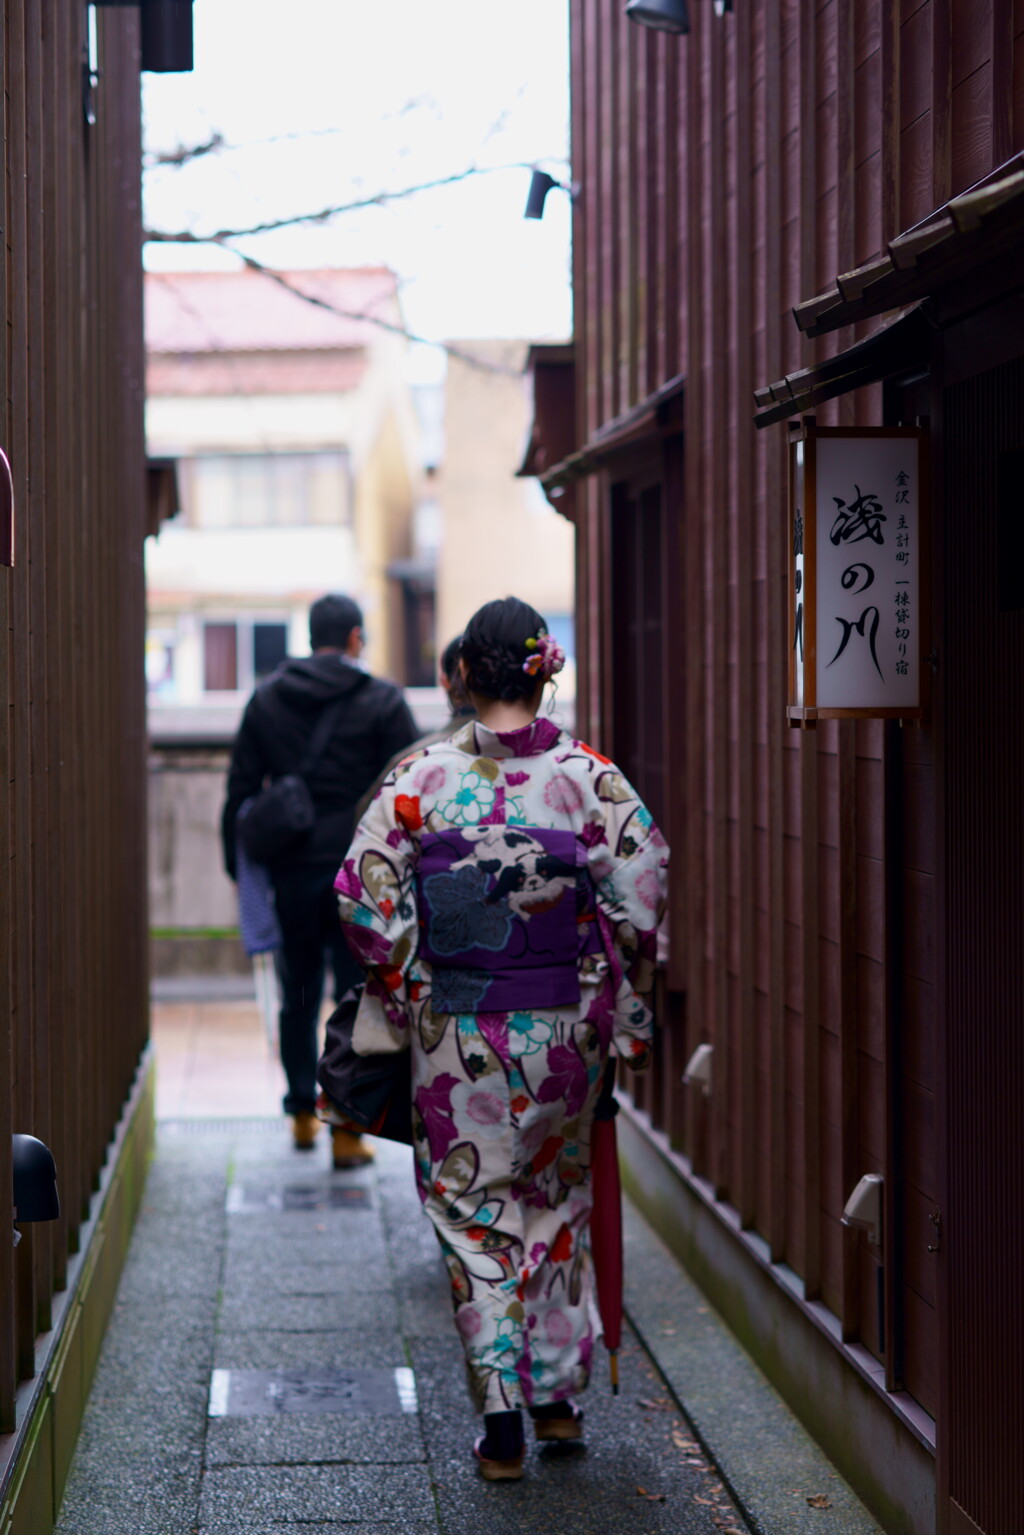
point(856, 591)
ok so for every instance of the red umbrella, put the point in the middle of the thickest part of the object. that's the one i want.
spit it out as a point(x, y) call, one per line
point(606, 1220)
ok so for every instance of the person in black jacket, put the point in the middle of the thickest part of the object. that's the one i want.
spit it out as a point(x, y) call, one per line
point(279, 719)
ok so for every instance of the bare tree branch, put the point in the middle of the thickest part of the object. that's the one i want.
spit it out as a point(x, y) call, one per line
point(379, 199)
point(185, 153)
point(392, 326)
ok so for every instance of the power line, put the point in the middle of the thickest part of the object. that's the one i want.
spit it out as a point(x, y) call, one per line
point(378, 199)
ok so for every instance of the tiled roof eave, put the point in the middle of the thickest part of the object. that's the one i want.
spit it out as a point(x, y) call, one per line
point(975, 227)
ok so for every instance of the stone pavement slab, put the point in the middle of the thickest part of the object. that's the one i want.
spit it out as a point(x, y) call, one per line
point(250, 1497)
point(311, 1310)
point(363, 1348)
point(294, 1440)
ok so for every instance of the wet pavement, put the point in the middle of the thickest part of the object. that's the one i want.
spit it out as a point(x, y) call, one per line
point(282, 1358)
point(328, 1298)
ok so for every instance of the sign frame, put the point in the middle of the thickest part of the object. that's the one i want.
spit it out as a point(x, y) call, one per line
point(803, 708)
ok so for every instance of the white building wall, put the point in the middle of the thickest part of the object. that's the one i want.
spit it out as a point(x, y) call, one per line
point(181, 425)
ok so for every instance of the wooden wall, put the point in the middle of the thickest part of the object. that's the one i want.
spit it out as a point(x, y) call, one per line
point(724, 176)
point(73, 984)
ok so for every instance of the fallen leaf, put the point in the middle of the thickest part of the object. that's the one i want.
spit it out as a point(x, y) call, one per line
point(681, 1442)
point(819, 1501)
point(655, 1497)
point(707, 1502)
point(658, 1404)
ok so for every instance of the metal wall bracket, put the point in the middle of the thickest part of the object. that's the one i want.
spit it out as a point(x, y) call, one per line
point(6, 511)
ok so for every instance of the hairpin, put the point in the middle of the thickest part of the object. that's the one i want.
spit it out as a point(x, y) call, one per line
point(547, 656)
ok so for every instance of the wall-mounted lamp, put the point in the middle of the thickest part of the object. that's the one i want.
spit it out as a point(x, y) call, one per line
point(698, 1069)
point(863, 1209)
point(6, 511)
point(660, 15)
point(668, 15)
point(540, 185)
point(35, 1182)
point(166, 34)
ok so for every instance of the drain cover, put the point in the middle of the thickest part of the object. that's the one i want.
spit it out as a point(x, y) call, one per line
point(262, 1393)
point(247, 1199)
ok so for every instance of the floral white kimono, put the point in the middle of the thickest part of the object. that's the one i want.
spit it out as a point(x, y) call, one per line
point(504, 891)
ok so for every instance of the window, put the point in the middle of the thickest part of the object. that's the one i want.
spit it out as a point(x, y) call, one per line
point(269, 648)
point(239, 653)
point(220, 658)
point(270, 490)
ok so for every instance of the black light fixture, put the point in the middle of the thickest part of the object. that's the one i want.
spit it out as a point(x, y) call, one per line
point(660, 15)
point(540, 185)
point(167, 36)
point(166, 33)
point(35, 1181)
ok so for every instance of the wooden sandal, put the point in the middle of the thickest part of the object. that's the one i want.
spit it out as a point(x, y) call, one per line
point(560, 1428)
point(498, 1470)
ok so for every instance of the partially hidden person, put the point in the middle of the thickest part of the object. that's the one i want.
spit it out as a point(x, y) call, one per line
point(504, 892)
point(371, 722)
point(459, 711)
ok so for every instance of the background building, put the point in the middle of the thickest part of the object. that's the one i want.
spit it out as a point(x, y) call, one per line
point(499, 534)
point(297, 455)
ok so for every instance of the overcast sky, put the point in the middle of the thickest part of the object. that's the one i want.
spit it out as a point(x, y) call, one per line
point(326, 101)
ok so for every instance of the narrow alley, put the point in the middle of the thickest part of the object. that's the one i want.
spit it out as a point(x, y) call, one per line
point(281, 1357)
point(643, 404)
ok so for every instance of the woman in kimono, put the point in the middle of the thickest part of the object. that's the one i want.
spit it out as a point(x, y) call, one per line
point(504, 891)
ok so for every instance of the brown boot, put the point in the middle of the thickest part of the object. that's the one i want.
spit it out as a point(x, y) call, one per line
point(305, 1129)
point(349, 1149)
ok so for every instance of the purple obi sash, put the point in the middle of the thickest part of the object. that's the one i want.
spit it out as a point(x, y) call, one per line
point(505, 912)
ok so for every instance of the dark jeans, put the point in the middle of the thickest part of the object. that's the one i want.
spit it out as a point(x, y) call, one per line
point(311, 938)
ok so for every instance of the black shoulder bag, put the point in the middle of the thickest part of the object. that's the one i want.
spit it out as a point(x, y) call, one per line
point(373, 1091)
point(282, 816)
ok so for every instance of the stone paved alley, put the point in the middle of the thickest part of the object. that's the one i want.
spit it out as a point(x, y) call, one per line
point(248, 1257)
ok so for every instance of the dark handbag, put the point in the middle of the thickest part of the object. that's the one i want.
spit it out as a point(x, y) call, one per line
point(374, 1091)
point(282, 816)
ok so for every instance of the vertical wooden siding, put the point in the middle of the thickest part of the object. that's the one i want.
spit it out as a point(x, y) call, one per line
point(725, 176)
point(983, 451)
point(73, 992)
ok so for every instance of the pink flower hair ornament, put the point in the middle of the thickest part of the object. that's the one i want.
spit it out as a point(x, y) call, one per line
point(546, 656)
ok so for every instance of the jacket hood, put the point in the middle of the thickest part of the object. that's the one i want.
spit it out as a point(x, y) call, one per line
point(316, 680)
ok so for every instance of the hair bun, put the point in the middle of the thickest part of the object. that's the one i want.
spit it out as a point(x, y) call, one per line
point(496, 653)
